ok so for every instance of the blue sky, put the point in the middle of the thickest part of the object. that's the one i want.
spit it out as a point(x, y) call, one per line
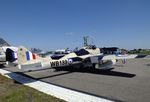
point(57, 24)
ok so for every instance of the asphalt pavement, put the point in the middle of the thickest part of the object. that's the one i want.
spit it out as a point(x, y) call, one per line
point(128, 82)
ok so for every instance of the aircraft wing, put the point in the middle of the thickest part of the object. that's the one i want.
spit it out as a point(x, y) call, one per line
point(132, 56)
point(110, 57)
point(97, 58)
point(120, 57)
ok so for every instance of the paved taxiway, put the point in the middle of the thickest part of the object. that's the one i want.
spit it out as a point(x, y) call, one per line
point(129, 82)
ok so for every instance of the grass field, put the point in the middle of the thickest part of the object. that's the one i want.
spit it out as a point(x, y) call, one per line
point(140, 52)
point(11, 91)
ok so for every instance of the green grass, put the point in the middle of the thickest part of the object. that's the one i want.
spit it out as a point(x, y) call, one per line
point(10, 91)
point(140, 52)
point(145, 52)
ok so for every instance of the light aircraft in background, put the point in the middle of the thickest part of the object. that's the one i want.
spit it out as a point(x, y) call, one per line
point(3, 56)
point(85, 57)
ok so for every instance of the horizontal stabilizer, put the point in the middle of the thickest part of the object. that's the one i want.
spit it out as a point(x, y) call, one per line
point(30, 67)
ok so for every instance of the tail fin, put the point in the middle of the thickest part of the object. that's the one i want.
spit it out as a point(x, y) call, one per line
point(24, 55)
point(11, 56)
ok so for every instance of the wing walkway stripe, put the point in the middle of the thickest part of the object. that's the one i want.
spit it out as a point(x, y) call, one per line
point(59, 92)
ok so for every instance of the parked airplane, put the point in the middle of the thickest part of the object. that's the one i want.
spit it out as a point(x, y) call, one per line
point(86, 57)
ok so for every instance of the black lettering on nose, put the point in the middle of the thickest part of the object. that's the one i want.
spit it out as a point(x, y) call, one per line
point(57, 63)
point(52, 64)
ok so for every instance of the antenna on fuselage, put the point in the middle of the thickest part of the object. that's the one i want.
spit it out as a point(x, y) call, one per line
point(85, 39)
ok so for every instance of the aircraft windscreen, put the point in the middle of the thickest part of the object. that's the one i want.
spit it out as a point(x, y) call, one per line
point(81, 52)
